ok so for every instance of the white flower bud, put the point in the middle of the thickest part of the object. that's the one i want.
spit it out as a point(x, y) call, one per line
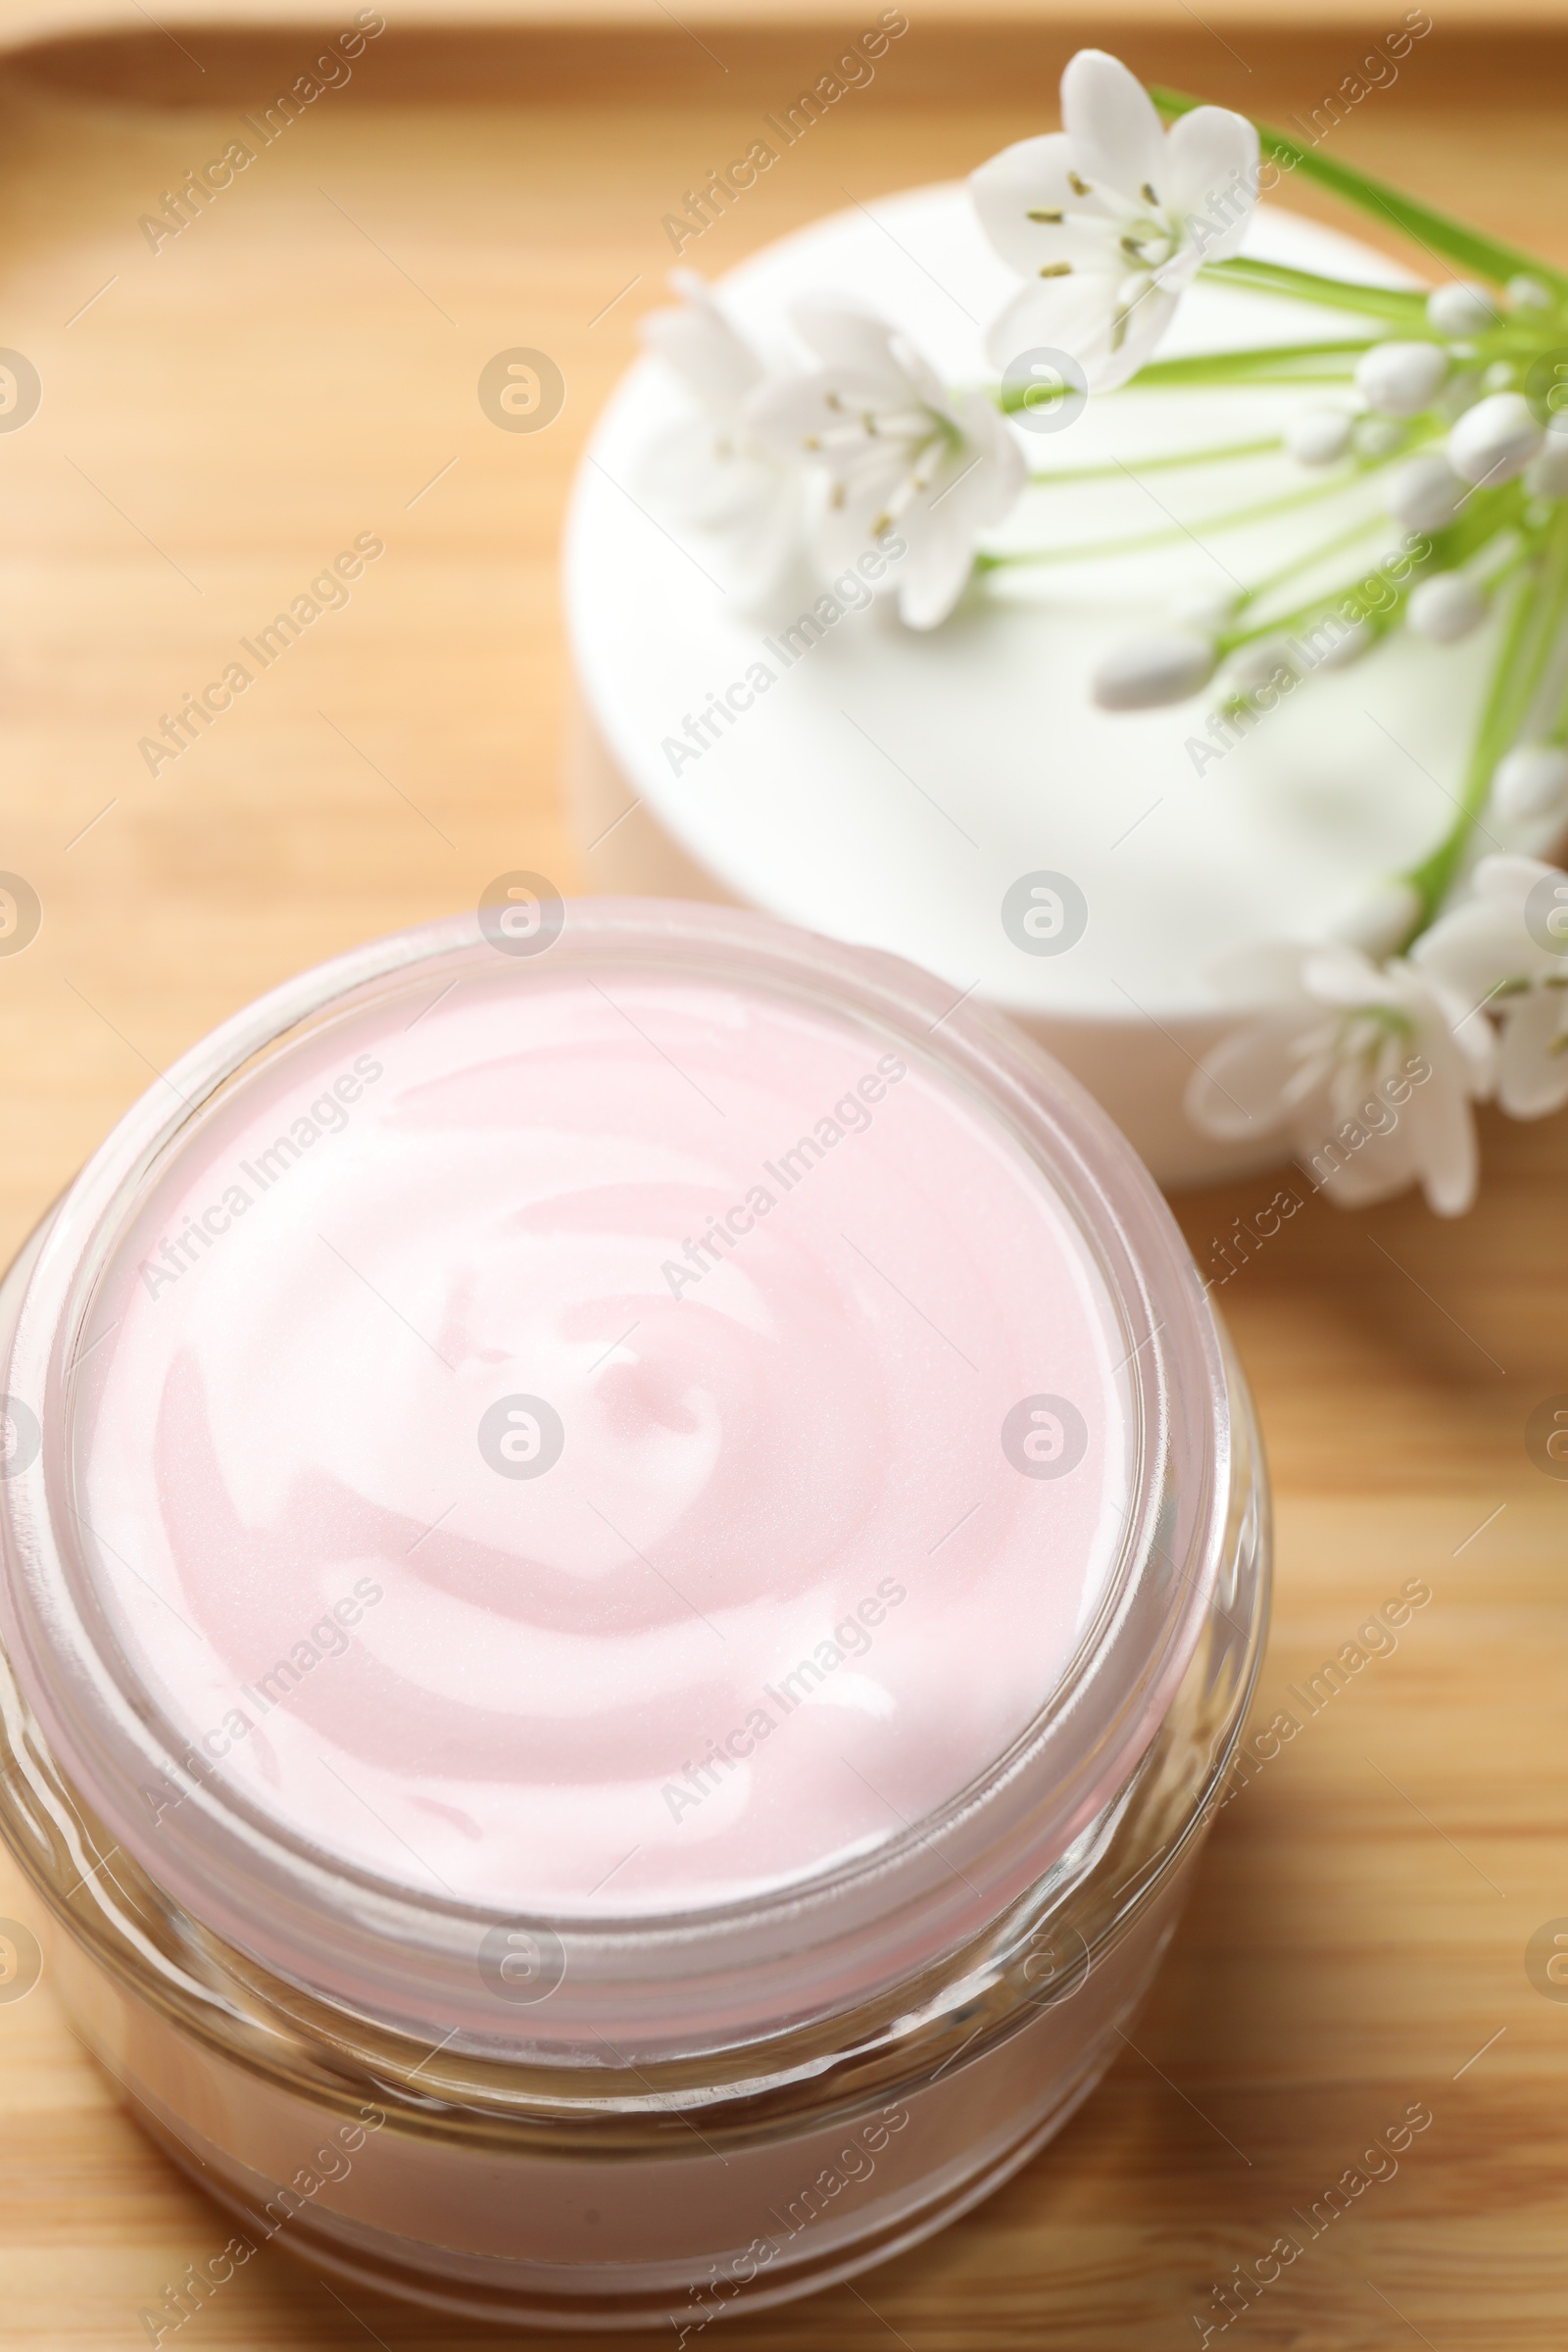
point(1547, 474)
point(1377, 436)
point(1499, 377)
point(1358, 639)
point(1446, 608)
point(1531, 782)
point(1495, 440)
point(1462, 390)
point(1318, 436)
point(1528, 294)
point(1462, 309)
point(1204, 610)
point(1254, 666)
point(1148, 671)
point(1381, 921)
point(1425, 495)
point(1399, 380)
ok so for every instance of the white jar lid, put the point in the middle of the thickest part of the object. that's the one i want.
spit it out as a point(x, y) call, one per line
point(892, 786)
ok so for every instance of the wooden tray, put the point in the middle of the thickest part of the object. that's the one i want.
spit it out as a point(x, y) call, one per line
point(222, 416)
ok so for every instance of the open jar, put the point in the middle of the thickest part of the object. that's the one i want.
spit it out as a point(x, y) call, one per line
point(631, 1561)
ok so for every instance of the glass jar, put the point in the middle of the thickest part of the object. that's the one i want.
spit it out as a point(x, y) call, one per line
point(656, 2096)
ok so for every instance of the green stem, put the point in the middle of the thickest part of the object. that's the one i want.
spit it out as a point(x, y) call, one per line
point(1184, 457)
point(1530, 634)
point(1511, 565)
point(1267, 363)
point(1205, 367)
point(1489, 513)
point(1557, 732)
point(1374, 521)
point(1483, 515)
point(1401, 309)
point(1236, 519)
point(1486, 514)
point(1439, 232)
point(1319, 608)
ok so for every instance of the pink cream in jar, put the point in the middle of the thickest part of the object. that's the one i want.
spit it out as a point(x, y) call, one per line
point(630, 1559)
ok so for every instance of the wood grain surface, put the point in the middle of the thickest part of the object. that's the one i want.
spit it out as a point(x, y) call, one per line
point(219, 420)
point(28, 23)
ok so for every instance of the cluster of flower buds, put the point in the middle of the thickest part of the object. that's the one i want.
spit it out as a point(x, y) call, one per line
point(1448, 419)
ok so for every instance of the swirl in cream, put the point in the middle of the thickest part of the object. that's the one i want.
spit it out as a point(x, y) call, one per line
point(776, 1286)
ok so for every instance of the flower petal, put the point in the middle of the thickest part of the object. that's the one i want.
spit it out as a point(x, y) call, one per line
point(849, 340)
point(791, 416)
point(973, 490)
point(749, 507)
point(1110, 120)
point(936, 570)
point(1448, 1023)
point(1442, 1139)
point(784, 416)
point(1078, 316)
point(854, 518)
point(1355, 1175)
point(1212, 176)
point(991, 488)
point(1532, 1056)
point(701, 473)
point(1031, 177)
point(1237, 1093)
point(920, 379)
point(1133, 338)
point(698, 341)
point(1340, 974)
point(1504, 887)
point(1508, 880)
point(1476, 949)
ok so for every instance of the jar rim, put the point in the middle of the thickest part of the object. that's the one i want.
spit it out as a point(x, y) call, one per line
point(373, 1944)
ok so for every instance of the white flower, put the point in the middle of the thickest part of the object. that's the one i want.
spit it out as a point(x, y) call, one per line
point(1495, 440)
point(712, 473)
point(898, 453)
point(1531, 782)
point(1446, 608)
point(1401, 380)
point(1111, 217)
point(1493, 950)
point(1369, 1069)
